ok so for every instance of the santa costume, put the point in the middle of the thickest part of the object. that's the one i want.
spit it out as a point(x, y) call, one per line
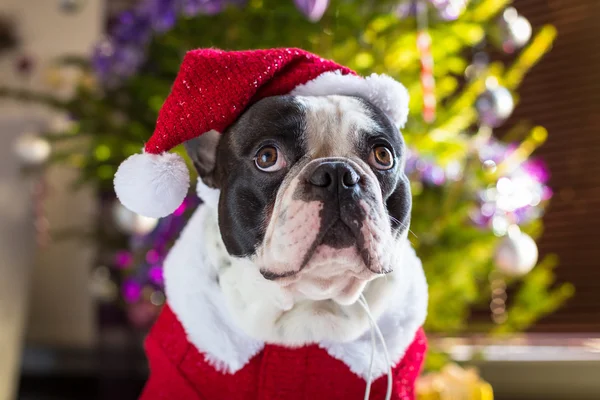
point(195, 349)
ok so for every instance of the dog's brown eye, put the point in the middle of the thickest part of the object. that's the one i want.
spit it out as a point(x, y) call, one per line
point(381, 158)
point(268, 159)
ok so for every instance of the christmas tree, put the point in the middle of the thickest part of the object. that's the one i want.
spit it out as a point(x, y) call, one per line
point(477, 195)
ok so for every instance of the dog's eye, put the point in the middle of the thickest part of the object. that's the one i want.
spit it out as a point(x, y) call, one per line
point(381, 158)
point(268, 159)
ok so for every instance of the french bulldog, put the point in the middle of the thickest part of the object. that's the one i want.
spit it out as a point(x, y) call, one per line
point(306, 209)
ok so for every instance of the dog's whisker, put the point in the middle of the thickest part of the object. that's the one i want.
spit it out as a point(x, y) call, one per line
point(403, 224)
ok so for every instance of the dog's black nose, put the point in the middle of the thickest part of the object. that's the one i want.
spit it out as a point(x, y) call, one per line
point(332, 175)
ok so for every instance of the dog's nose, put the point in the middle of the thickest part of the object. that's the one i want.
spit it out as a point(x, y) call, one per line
point(333, 175)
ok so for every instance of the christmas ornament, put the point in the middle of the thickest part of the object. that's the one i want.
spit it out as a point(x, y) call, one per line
point(32, 149)
point(157, 298)
point(312, 9)
point(513, 31)
point(156, 182)
point(131, 223)
point(71, 6)
point(518, 195)
point(517, 253)
point(131, 290)
point(123, 259)
point(494, 105)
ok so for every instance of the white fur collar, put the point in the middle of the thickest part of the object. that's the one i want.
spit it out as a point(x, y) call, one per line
point(196, 297)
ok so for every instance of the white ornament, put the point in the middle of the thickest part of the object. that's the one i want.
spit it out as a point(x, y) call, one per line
point(517, 253)
point(131, 223)
point(32, 149)
point(514, 30)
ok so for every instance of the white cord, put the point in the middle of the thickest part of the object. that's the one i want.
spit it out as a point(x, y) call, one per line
point(388, 395)
point(373, 346)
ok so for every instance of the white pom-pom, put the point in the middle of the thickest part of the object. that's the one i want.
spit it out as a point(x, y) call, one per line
point(382, 91)
point(153, 185)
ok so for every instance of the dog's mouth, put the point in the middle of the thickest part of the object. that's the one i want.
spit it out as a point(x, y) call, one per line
point(337, 236)
point(339, 241)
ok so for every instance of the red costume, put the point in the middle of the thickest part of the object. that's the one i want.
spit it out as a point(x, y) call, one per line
point(180, 372)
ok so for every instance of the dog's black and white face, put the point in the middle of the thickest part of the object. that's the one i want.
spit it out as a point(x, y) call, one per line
point(313, 192)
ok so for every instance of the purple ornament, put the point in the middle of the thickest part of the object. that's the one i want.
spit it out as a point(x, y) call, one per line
point(155, 274)
point(152, 256)
point(123, 259)
point(131, 290)
point(312, 9)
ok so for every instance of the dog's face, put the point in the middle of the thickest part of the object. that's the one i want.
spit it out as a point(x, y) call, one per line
point(313, 192)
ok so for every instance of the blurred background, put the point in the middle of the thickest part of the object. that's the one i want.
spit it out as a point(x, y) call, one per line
point(503, 139)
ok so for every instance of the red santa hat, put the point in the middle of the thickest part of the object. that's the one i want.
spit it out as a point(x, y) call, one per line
point(212, 89)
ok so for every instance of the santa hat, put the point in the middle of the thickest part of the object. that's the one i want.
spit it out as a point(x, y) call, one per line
point(212, 89)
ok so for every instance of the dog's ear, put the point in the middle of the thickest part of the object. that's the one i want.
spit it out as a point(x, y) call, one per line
point(203, 153)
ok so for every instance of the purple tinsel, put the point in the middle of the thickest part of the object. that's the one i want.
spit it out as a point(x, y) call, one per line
point(517, 197)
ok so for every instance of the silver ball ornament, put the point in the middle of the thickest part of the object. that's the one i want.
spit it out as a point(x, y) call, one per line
point(494, 106)
point(32, 149)
point(131, 223)
point(516, 254)
point(513, 31)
